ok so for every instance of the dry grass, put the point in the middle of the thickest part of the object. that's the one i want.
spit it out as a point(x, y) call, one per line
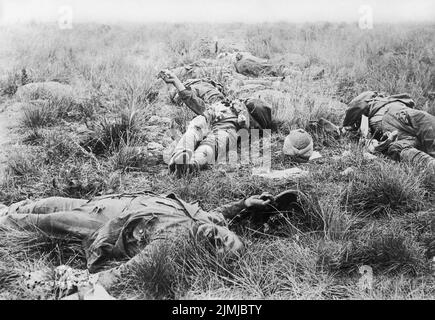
point(378, 216)
point(386, 189)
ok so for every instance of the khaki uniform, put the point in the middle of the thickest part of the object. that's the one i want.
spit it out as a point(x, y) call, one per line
point(122, 226)
point(416, 129)
point(215, 126)
point(416, 133)
point(253, 68)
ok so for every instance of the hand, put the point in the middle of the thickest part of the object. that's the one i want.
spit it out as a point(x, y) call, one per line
point(108, 278)
point(168, 76)
point(259, 202)
point(371, 144)
point(386, 140)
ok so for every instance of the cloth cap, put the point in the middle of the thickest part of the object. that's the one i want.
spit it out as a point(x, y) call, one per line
point(357, 107)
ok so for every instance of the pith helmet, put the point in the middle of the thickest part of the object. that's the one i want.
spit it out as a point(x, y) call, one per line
point(299, 144)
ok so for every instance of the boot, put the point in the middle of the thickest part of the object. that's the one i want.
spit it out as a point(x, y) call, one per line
point(179, 162)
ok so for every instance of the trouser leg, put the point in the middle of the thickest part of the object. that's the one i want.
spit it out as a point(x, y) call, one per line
point(47, 205)
point(218, 144)
point(417, 158)
point(424, 124)
point(214, 148)
point(196, 131)
point(75, 223)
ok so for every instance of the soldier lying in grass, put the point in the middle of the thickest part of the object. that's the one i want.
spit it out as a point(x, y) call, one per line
point(406, 134)
point(133, 226)
point(216, 124)
point(251, 66)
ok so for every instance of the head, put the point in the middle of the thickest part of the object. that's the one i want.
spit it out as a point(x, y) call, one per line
point(298, 144)
point(356, 108)
point(225, 241)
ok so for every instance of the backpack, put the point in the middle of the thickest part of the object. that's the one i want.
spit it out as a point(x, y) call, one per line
point(260, 113)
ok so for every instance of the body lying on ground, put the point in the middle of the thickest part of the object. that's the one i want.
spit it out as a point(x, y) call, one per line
point(409, 133)
point(251, 66)
point(132, 226)
point(239, 65)
point(216, 124)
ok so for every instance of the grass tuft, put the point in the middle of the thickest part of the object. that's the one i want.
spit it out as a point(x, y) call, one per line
point(386, 189)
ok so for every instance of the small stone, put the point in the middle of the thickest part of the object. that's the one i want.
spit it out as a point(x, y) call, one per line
point(348, 171)
point(316, 155)
point(288, 174)
point(369, 156)
point(159, 120)
point(154, 146)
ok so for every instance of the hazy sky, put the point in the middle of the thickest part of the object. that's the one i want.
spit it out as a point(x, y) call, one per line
point(216, 10)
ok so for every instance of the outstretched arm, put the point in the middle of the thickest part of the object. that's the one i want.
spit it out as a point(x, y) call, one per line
point(229, 211)
point(189, 97)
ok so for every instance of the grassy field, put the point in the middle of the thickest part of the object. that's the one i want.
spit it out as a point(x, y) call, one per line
point(78, 144)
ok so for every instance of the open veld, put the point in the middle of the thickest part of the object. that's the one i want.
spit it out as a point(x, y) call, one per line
point(77, 142)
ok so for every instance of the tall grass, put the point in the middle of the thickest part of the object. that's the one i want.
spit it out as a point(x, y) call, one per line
point(92, 145)
point(386, 189)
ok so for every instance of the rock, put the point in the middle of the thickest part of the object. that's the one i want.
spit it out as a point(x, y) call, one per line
point(154, 146)
point(368, 156)
point(46, 90)
point(288, 174)
point(348, 171)
point(156, 120)
point(316, 72)
point(316, 155)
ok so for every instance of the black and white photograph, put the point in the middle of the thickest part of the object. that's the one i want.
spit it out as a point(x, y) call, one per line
point(237, 152)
